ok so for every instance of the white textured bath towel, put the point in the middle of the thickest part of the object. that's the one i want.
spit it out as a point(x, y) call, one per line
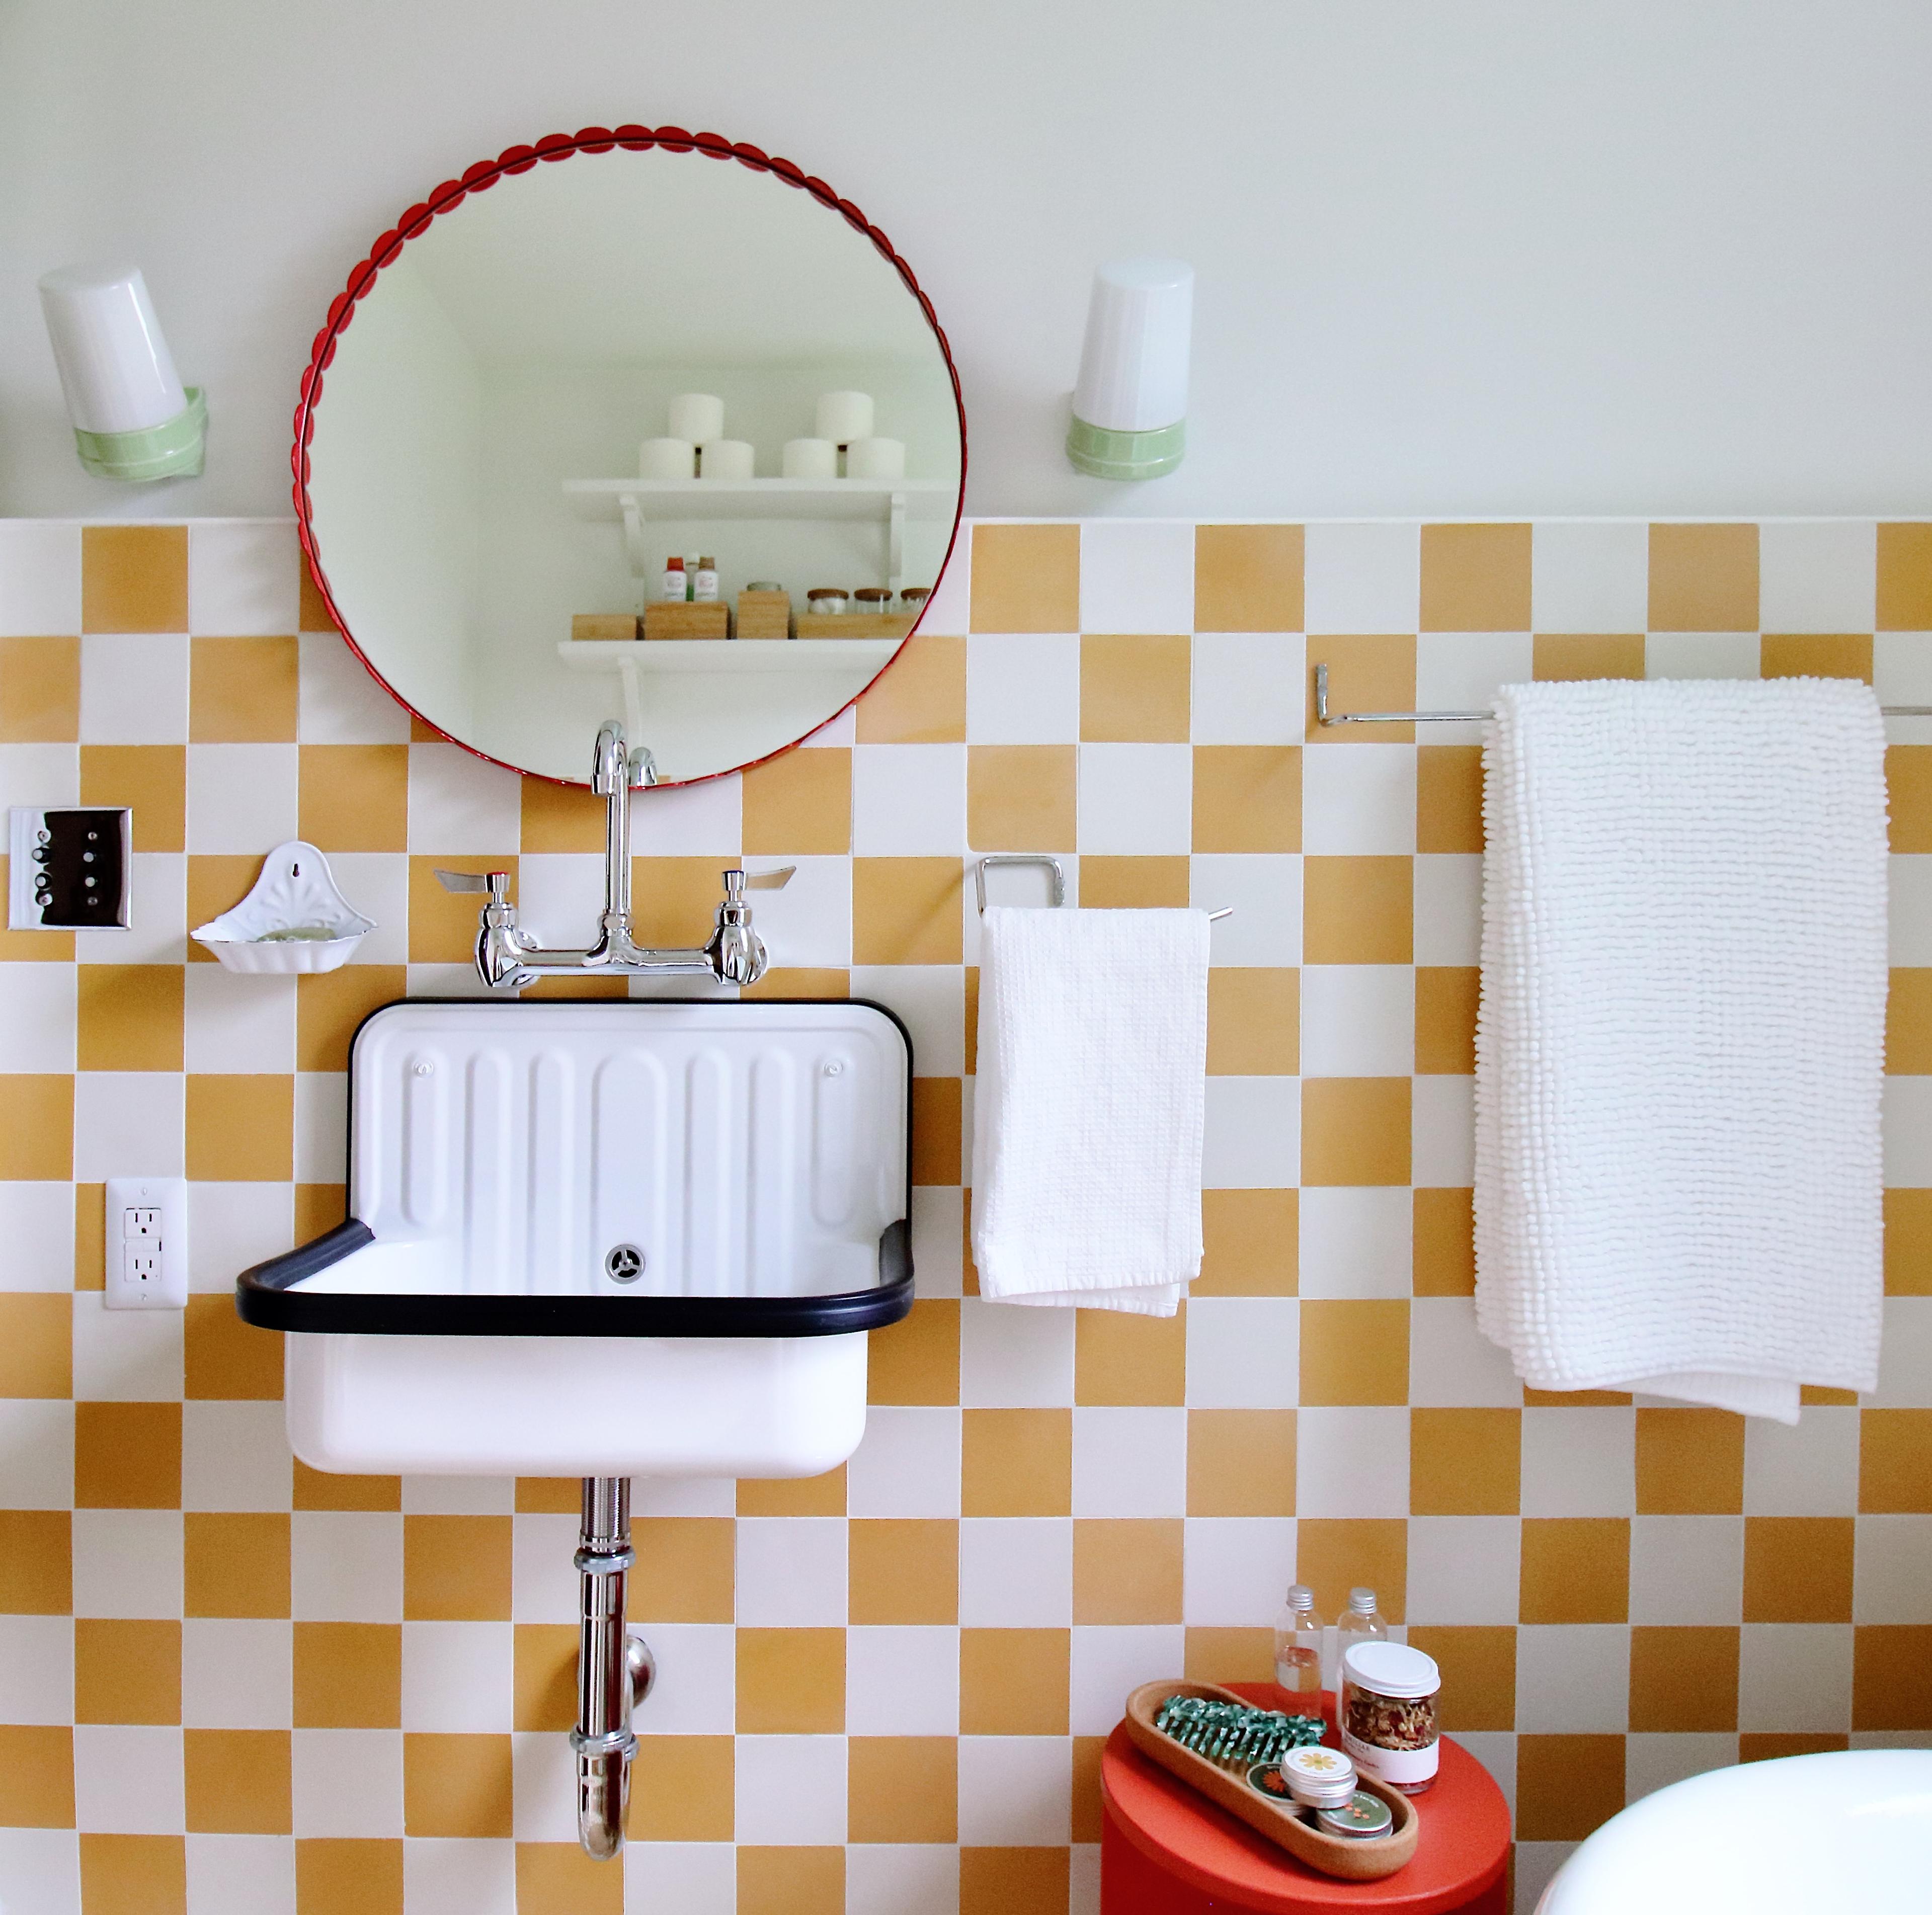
point(1089, 1106)
point(1679, 1055)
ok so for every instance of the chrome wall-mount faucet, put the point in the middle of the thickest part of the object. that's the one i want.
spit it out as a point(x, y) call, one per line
point(507, 955)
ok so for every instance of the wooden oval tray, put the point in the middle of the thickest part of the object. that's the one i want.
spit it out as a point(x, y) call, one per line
point(1351, 1859)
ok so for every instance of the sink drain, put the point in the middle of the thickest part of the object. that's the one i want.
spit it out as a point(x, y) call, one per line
point(624, 1263)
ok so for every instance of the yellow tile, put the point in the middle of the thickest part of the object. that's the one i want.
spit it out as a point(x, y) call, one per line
point(545, 1675)
point(134, 578)
point(1908, 1243)
point(318, 1489)
point(1247, 798)
point(127, 1456)
point(237, 1781)
point(1119, 1359)
point(36, 1572)
point(456, 1569)
point(1021, 797)
point(423, 733)
point(149, 779)
point(1464, 1462)
point(1815, 655)
point(236, 1565)
point(1703, 578)
point(1449, 798)
point(1357, 910)
point(457, 1785)
point(1251, 1240)
point(791, 1881)
point(800, 803)
point(800, 981)
point(561, 817)
point(1366, 673)
point(681, 1789)
point(1892, 1679)
point(350, 1675)
point(1132, 884)
point(1575, 1569)
point(242, 691)
point(127, 1671)
point(355, 797)
point(548, 1496)
point(1908, 779)
point(1684, 1680)
point(314, 613)
point(674, 901)
point(1446, 998)
point(1013, 1881)
point(1248, 578)
point(1333, 1554)
point(1240, 1462)
point(906, 911)
point(1575, 1399)
point(822, 1495)
point(1895, 1462)
point(1475, 578)
point(330, 1005)
point(1690, 1463)
point(36, 1777)
point(139, 1875)
point(216, 882)
point(1254, 1022)
point(920, 697)
point(1228, 1655)
point(40, 691)
point(936, 1130)
point(1567, 658)
point(128, 1016)
point(1026, 578)
point(345, 1876)
point(903, 1570)
point(901, 1789)
point(36, 1343)
point(1013, 1682)
point(1134, 689)
point(1908, 1023)
point(1354, 1350)
point(1905, 578)
point(1567, 1786)
point(916, 1360)
point(1126, 1570)
point(685, 1570)
point(1355, 1131)
point(225, 1360)
point(1478, 1665)
point(791, 1681)
point(1798, 1569)
point(1769, 1745)
point(241, 1129)
point(1018, 1462)
point(558, 1878)
point(90, 1230)
point(37, 1129)
point(443, 924)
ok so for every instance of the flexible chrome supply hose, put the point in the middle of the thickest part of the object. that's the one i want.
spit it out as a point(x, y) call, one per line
point(612, 1672)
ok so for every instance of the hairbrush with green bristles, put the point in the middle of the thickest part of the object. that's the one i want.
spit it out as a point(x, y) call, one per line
point(1234, 1733)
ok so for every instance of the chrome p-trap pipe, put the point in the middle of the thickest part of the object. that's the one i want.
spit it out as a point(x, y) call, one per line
point(613, 1671)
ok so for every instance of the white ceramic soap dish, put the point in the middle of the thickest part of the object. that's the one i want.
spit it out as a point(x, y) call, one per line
point(294, 919)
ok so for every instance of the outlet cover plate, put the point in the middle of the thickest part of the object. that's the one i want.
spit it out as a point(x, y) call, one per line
point(68, 868)
point(146, 1244)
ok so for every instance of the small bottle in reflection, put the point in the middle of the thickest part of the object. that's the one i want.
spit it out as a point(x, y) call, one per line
point(675, 586)
point(704, 585)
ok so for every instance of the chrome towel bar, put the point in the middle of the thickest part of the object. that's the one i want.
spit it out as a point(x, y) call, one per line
point(1057, 882)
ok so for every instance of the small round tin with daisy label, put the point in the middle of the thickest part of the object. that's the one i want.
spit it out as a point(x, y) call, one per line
point(1318, 1778)
point(1360, 1818)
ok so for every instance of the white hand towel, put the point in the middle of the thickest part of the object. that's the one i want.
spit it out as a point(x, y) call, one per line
point(1088, 1108)
point(1679, 1054)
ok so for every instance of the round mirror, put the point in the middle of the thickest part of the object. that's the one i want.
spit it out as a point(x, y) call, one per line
point(611, 410)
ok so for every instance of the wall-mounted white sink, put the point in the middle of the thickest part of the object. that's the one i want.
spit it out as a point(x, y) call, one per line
point(610, 1239)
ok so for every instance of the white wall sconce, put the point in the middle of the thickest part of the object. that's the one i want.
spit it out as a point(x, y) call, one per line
point(1130, 407)
point(132, 418)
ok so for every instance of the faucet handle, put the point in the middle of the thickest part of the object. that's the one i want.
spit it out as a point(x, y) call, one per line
point(776, 880)
point(497, 883)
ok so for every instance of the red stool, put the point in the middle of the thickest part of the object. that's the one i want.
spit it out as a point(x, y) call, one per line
point(1166, 1850)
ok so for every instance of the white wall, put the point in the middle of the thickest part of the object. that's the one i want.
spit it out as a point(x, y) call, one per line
point(1643, 256)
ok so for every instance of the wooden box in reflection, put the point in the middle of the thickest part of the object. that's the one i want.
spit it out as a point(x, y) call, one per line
point(669, 619)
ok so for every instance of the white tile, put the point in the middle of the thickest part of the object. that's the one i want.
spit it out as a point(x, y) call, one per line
point(1136, 800)
point(1687, 1569)
point(704, 820)
point(1129, 1462)
point(909, 801)
point(1794, 1677)
point(930, 999)
point(377, 884)
point(1244, 1352)
point(40, 578)
point(340, 701)
point(1137, 575)
point(447, 1875)
point(127, 1562)
point(1352, 1461)
point(1652, 1762)
point(1452, 1365)
point(1496, 1750)
point(676, 1496)
point(1907, 1133)
point(1359, 800)
point(37, 1453)
point(684, 1878)
point(1701, 654)
point(254, 1872)
point(36, 1671)
point(947, 611)
point(1023, 690)
point(37, 1226)
point(236, 1023)
point(233, 1226)
point(1892, 1575)
point(157, 907)
point(1355, 1242)
point(127, 1781)
point(459, 806)
point(891, 1878)
point(1579, 1462)
point(1590, 577)
point(459, 1496)
point(125, 1356)
point(1902, 675)
point(902, 1682)
point(1253, 1134)
point(938, 1239)
point(37, 1017)
point(791, 1571)
point(237, 1674)
point(1817, 575)
point(1015, 1572)
point(1461, 671)
point(134, 689)
point(1362, 577)
point(41, 1867)
point(696, 1689)
point(1014, 1356)
point(40, 776)
point(907, 1465)
point(543, 1581)
point(1887, 1738)
point(1572, 1678)
point(1357, 1021)
point(1536, 1863)
point(322, 1126)
point(810, 921)
point(1248, 688)
point(791, 1789)
point(1442, 1153)
point(559, 895)
point(347, 1566)
point(457, 1677)
point(1264, 890)
point(1108, 1664)
point(241, 798)
point(1083, 1879)
point(1236, 1569)
point(1810, 1468)
point(348, 1782)
point(1448, 908)
point(1905, 1353)
point(1463, 1569)
point(838, 732)
point(1015, 1791)
point(244, 578)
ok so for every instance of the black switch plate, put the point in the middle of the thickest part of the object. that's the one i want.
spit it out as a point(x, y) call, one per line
point(68, 869)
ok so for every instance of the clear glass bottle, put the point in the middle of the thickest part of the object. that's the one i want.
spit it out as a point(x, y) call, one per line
point(1298, 1645)
point(1360, 1622)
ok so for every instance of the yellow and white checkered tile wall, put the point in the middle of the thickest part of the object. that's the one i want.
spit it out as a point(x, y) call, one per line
point(229, 1685)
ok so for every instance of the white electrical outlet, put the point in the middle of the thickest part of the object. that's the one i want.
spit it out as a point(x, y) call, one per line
point(146, 1244)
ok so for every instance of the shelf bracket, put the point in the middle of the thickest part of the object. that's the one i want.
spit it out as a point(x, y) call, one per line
point(634, 536)
point(895, 543)
point(634, 701)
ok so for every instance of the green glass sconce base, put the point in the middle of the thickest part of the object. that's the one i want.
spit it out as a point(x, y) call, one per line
point(1125, 455)
point(171, 450)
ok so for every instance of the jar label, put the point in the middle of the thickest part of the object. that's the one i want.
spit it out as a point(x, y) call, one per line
point(1395, 1766)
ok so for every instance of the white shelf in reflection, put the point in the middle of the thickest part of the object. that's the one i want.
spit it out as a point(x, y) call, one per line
point(729, 656)
point(764, 498)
